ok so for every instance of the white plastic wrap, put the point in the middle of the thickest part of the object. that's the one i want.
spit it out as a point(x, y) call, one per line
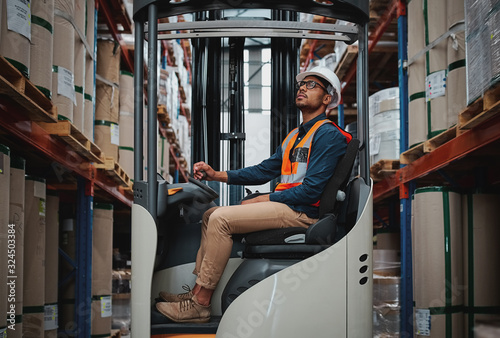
point(384, 125)
point(482, 46)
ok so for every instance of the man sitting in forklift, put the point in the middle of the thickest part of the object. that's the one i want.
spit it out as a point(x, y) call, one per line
point(306, 160)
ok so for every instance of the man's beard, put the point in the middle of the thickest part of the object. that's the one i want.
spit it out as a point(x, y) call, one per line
point(306, 105)
point(300, 104)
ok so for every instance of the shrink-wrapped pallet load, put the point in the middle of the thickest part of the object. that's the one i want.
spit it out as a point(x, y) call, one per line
point(386, 306)
point(482, 19)
point(437, 251)
point(456, 83)
point(384, 125)
point(34, 257)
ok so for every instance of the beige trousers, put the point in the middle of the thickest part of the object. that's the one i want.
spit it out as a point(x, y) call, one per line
point(220, 222)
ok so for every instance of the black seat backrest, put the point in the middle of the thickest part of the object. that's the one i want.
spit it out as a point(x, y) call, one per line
point(348, 215)
point(323, 231)
point(338, 182)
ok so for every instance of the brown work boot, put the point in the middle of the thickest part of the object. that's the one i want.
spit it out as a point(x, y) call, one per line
point(186, 311)
point(175, 298)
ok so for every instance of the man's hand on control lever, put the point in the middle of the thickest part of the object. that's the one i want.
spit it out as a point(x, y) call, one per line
point(202, 171)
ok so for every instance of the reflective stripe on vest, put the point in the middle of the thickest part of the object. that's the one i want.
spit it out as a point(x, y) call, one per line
point(293, 173)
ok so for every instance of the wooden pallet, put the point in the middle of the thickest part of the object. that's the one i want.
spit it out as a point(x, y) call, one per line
point(115, 171)
point(481, 110)
point(428, 146)
point(15, 86)
point(128, 189)
point(350, 54)
point(163, 116)
point(67, 132)
point(383, 169)
point(412, 154)
point(431, 144)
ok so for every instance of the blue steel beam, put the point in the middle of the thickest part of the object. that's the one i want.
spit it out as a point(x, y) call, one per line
point(406, 190)
point(341, 120)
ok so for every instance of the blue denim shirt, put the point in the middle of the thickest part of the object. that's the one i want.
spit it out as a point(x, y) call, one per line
point(328, 146)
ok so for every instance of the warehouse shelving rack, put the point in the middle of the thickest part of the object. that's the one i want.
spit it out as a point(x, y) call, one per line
point(23, 130)
point(441, 164)
point(431, 167)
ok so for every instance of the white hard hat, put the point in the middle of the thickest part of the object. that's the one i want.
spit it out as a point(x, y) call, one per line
point(328, 75)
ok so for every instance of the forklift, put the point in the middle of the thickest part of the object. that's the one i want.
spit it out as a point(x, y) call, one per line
point(316, 282)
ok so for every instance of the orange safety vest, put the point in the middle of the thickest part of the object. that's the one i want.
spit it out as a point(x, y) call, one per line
point(293, 173)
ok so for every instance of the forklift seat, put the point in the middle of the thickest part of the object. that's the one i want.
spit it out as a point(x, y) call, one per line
point(298, 242)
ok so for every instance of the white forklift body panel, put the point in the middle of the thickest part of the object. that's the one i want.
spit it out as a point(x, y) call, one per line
point(324, 295)
point(143, 248)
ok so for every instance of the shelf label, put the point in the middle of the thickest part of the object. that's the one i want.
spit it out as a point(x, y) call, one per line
point(435, 85)
point(66, 83)
point(19, 17)
point(115, 134)
point(423, 322)
point(51, 314)
point(41, 207)
point(106, 308)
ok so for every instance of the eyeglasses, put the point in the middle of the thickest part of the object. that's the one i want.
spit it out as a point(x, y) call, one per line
point(309, 85)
